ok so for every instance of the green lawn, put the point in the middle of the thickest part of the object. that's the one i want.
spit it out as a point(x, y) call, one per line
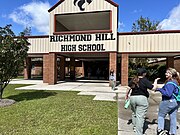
point(56, 113)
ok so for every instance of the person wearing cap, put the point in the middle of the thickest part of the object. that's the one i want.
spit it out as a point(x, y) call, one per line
point(168, 105)
point(139, 99)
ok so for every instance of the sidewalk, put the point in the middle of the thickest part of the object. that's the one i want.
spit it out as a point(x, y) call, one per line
point(99, 88)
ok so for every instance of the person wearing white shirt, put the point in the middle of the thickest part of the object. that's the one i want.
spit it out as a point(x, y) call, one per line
point(112, 79)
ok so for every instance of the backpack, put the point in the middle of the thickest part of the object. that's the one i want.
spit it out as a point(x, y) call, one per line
point(178, 95)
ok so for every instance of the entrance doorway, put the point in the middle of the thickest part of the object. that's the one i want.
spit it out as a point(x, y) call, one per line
point(96, 70)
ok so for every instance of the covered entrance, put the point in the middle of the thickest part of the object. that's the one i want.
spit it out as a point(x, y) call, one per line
point(74, 66)
point(96, 69)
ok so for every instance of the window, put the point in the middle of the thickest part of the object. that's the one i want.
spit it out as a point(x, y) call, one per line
point(89, 21)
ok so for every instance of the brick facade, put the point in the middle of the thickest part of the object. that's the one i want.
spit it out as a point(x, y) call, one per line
point(170, 62)
point(52, 68)
point(124, 69)
point(62, 68)
point(27, 68)
point(46, 68)
point(72, 68)
point(107, 42)
point(113, 62)
point(177, 64)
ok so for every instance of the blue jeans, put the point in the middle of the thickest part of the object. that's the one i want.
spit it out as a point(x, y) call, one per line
point(168, 107)
point(139, 106)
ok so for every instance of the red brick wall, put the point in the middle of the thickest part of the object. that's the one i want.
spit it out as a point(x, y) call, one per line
point(177, 65)
point(52, 68)
point(27, 68)
point(72, 68)
point(62, 68)
point(124, 69)
point(170, 62)
point(46, 68)
point(113, 62)
point(82, 69)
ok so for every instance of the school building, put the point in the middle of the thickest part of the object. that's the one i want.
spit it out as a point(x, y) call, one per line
point(83, 38)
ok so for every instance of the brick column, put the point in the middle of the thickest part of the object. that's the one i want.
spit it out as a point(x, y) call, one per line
point(52, 68)
point(27, 68)
point(170, 62)
point(46, 68)
point(72, 68)
point(82, 69)
point(113, 62)
point(124, 69)
point(62, 68)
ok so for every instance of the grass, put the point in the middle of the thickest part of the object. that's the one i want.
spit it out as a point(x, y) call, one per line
point(56, 113)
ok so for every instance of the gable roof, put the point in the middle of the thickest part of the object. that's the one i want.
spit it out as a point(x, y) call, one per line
point(60, 1)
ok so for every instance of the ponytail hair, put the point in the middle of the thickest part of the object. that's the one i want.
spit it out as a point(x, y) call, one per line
point(134, 82)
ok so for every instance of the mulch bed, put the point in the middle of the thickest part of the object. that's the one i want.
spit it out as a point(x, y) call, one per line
point(6, 102)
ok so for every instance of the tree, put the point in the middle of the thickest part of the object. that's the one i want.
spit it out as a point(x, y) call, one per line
point(13, 51)
point(144, 24)
point(140, 25)
point(26, 32)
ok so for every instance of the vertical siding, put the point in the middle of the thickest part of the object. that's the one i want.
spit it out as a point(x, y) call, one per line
point(38, 45)
point(149, 43)
point(127, 43)
point(96, 5)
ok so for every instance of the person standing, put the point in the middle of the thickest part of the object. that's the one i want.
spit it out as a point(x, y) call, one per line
point(168, 105)
point(139, 99)
point(112, 79)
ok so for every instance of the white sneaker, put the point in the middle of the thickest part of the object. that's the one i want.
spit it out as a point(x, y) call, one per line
point(134, 129)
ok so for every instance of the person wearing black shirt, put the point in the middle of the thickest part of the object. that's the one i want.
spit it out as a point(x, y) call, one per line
point(139, 99)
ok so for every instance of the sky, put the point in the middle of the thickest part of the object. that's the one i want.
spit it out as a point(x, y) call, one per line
point(34, 13)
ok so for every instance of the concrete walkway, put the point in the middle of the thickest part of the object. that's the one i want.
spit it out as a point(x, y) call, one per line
point(102, 91)
point(99, 88)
